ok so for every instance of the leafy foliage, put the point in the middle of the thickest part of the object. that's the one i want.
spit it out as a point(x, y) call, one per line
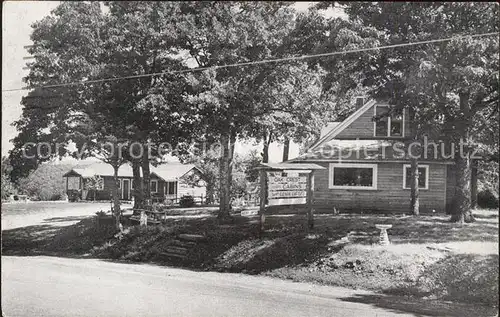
point(209, 162)
point(46, 182)
point(8, 187)
point(79, 42)
point(186, 201)
point(93, 184)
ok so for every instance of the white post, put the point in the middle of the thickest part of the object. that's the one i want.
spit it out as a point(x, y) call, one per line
point(384, 237)
point(144, 219)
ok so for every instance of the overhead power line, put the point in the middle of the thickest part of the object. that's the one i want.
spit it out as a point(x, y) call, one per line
point(266, 61)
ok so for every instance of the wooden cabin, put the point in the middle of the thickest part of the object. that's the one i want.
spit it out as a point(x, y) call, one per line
point(367, 167)
point(167, 181)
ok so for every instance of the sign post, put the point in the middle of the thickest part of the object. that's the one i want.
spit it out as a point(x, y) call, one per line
point(310, 191)
point(287, 184)
point(263, 197)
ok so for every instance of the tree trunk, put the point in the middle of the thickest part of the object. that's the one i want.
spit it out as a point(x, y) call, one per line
point(265, 151)
point(137, 183)
point(224, 186)
point(116, 197)
point(265, 154)
point(232, 141)
point(414, 191)
point(210, 193)
point(286, 149)
point(415, 204)
point(462, 207)
point(473, 184)
point(146, 180)
point(265, 159)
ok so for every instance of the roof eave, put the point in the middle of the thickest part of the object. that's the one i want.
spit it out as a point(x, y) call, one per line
point(342, 126)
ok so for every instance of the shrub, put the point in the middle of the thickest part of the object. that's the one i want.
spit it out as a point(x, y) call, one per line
point(7, 187)
point(186, 201)
point(45, 183)
point(73, 195)
point(487, 176)
point(463, 278)
point(56, 196)
point(101, 214)
point(487, 199)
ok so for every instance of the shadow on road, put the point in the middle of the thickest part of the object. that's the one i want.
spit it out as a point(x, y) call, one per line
point(55, 237)
point(420, 307)
point(64, 219)
point(27, 240)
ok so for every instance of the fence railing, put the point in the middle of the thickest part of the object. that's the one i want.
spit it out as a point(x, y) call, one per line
point(199, 200)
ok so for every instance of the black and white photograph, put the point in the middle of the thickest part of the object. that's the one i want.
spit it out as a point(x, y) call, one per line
point(250, 158)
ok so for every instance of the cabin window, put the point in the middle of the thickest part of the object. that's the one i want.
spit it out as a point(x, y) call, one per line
point(382, 124)
point(171, 188)
point(154, 186)
point(353, 176)
point(396, 125)
point(389, 125)
point(423, 176)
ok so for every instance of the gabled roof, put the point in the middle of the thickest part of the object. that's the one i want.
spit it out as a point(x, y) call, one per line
point(329, 127)
point(343, 125)
point(101, 169)
point(167, 172)
point(289, 166)
point(172, 172)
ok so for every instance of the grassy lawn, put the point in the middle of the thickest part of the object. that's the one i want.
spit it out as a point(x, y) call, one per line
point(429, 257)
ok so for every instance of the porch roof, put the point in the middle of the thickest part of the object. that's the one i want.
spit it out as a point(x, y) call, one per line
point(172, 172)
point(167, 172)
point(370, 150)
point(335, 148)
point(290, 166)
point(101, 169)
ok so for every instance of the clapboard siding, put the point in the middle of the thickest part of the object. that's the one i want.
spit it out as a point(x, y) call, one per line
point(108, 185)
point(161, 185)
point(362, 127)
point(389, 196)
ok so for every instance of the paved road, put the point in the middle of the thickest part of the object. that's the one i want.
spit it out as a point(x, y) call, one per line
point(17, 215)
point(50, 286)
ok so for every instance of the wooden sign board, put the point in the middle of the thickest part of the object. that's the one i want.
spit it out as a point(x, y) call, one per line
point(287, 193)
point(287, 185)
point(287, 201)
point(277, 186)
point(286, 190)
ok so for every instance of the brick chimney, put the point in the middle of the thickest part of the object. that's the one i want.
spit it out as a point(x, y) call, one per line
point(360, 101)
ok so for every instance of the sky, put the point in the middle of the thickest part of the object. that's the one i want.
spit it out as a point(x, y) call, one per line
point(17, 18)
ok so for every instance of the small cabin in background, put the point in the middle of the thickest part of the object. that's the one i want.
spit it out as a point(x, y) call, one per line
point(167, 181)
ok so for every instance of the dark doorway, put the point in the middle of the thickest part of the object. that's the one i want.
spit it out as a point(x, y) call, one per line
point(126, 189)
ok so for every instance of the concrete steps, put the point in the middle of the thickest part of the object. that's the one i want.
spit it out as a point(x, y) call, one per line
point(191, 237)
point(179, 248)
